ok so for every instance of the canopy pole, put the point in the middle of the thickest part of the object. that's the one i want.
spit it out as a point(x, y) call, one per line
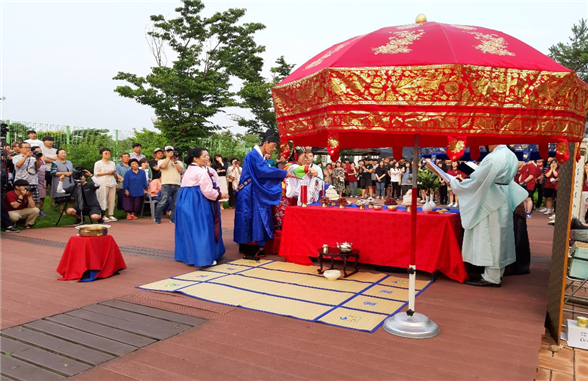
point(413, 229)
point(411, 324)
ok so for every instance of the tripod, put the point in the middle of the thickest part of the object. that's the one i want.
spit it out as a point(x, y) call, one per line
point(76, 185)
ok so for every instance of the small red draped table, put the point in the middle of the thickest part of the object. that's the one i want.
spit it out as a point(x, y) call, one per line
point(89, 258)
point(382, 236)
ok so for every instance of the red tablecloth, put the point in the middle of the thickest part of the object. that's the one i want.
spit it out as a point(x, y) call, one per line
point(382, 237)
point(100, 254)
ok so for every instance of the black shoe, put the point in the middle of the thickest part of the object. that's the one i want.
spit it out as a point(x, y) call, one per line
point(251, 257)
point(100, 221)
point(577, 225)
point(12, 229)
point(483, 282)
point(79, 221)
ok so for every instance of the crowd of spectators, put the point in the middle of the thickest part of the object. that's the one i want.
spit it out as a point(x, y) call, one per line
point(385, 177)
point(35, 170)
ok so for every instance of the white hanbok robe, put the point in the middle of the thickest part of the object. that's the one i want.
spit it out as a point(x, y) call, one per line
point(315, 185)
point(487, 201)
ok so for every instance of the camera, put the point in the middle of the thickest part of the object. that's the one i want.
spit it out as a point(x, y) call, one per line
point(77, 173)
point(37, 153)
point(4, 129)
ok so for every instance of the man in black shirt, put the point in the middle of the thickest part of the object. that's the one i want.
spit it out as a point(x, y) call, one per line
point(85, 196)
point(153, 163)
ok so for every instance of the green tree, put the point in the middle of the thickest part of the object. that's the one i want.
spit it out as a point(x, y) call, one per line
point(209, 52)
point(575, 54)
point(257, 98)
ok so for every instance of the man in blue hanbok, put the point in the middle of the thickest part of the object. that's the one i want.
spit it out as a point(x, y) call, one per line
point(260, 188)
point(487, 200)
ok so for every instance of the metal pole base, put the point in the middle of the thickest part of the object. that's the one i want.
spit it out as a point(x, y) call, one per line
point(415, 326)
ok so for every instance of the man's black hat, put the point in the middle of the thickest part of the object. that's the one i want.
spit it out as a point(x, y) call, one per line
point(270, 137)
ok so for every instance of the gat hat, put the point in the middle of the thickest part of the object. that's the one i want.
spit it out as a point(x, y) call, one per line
point(21, 182)
point(169, 148)
point(31, 131)
point(157, 150)
point(270, 137)
point(48, 138)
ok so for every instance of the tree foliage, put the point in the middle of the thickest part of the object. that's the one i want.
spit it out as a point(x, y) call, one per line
point(575, 54)
point(257, 98)
point(209, 53)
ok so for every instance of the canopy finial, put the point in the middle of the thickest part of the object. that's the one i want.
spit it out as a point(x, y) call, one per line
point(421, 18)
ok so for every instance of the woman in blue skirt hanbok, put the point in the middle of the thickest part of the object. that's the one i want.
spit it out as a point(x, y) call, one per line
point(198, 236)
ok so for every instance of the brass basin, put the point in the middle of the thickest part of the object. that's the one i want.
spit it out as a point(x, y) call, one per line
point(92, 230)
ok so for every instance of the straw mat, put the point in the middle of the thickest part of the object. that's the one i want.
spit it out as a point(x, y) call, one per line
point(361, 302)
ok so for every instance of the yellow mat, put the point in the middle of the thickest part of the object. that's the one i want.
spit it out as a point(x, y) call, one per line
point(361, 302)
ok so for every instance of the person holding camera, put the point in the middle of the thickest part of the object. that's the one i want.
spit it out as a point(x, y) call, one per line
point(21, 205)
point(84, 194)
point(233, 177)
point(26, 166)
point(42, 183)
point(171, 176)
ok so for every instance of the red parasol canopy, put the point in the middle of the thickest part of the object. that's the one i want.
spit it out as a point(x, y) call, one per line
point(446, 82)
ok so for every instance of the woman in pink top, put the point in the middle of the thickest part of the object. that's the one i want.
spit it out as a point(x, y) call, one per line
point(198, 225)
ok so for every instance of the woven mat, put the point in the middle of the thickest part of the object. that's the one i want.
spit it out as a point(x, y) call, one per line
point(361, 302)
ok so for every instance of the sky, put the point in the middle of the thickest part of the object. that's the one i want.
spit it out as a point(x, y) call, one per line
point(58, 58)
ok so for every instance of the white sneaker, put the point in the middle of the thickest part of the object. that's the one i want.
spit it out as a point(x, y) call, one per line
point(450, 205)
point(547, 212)
point(456, 205)
point(112, 219)
point(106, 219)
point(543, 210)
point(552, 217)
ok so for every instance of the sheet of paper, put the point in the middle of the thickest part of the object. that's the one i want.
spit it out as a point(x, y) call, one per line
point(434, 168)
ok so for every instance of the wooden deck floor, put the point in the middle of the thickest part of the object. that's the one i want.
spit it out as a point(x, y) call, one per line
point(486, 333)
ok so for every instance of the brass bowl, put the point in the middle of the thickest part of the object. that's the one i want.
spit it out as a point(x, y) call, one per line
point(392, 207)
point(92, 230)
point(377, 207)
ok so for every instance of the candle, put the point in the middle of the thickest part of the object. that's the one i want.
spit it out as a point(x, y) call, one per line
point(303, 194)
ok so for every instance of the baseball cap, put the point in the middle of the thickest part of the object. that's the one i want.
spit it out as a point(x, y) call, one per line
point(169, 148)
point(31, 131)
point(157, 150)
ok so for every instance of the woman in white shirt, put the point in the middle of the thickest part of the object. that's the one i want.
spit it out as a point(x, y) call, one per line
point(105, 171)
point(233, 177)
point(395, 177)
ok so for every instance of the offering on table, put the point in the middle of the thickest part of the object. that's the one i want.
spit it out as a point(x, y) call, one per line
point(324, 201)
point(332, 194)
point(407, 199)
point(342, 202)
point(390, 202)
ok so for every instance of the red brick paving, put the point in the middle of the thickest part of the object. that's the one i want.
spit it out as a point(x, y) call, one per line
point(486, 333)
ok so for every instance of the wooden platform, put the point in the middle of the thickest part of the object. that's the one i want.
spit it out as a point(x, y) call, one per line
point(486, 333)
